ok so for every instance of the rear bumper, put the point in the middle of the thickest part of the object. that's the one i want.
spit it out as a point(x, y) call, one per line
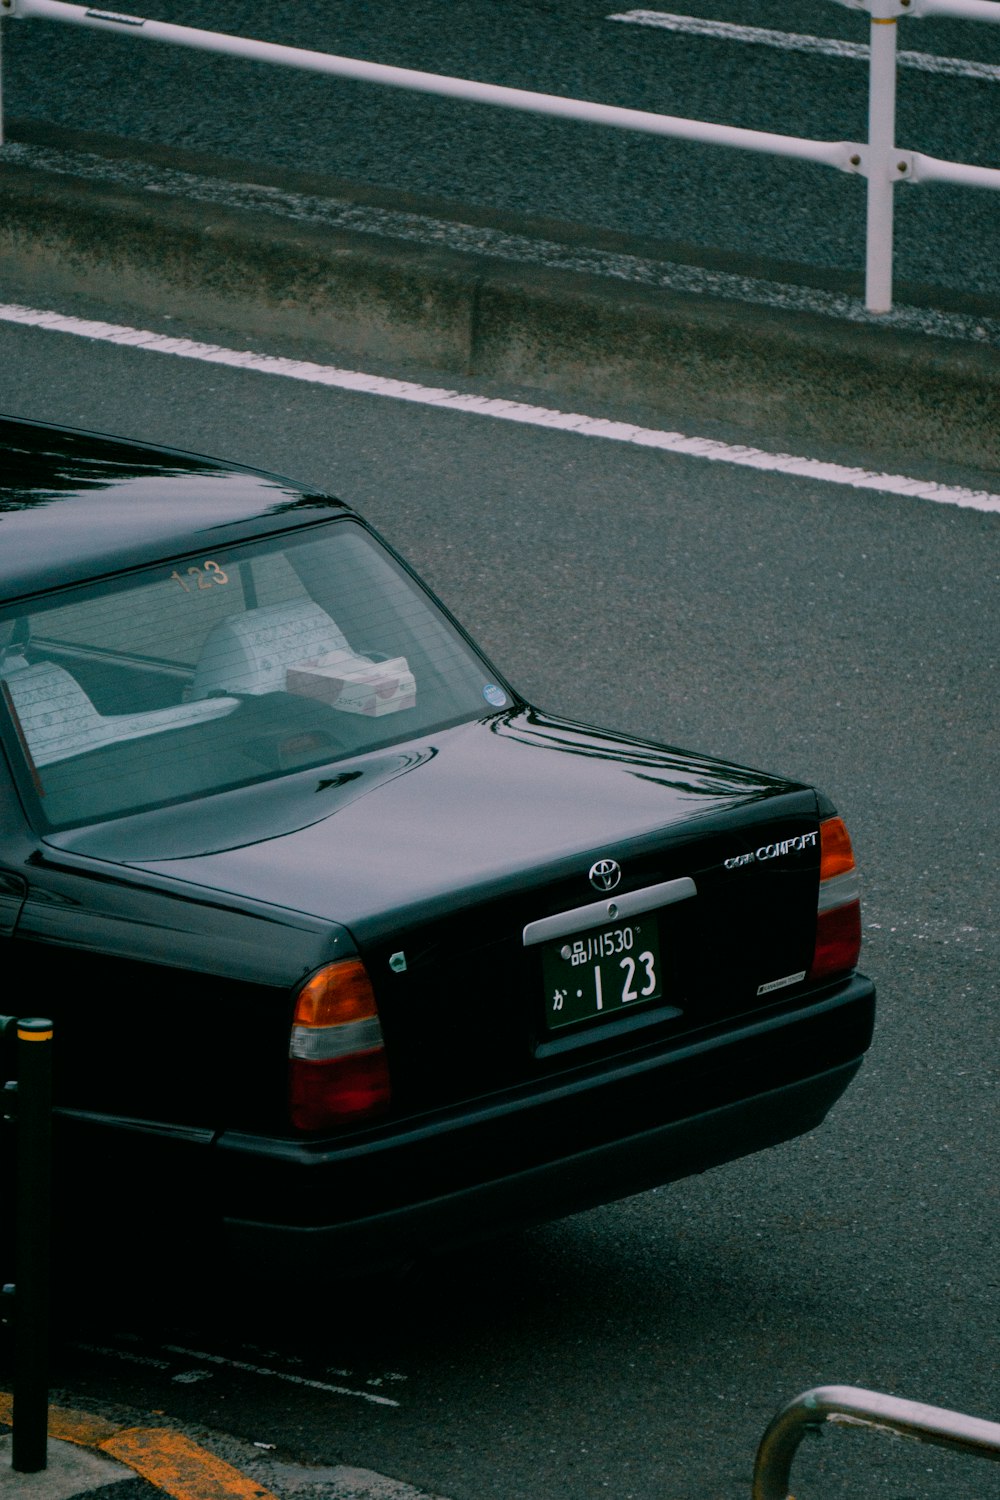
point(396, 1192)
point(399, 1194)
point(544, 1192)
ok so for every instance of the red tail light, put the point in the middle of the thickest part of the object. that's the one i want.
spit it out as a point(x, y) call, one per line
point(338, 1072)
point(838, 912)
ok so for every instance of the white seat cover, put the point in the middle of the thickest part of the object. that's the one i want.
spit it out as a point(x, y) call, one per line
point(250, 653)
point(58, 720)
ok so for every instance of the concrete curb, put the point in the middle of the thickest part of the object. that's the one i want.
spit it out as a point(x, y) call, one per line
point(168, 1460)
point(128, 1457)
point(766, 373)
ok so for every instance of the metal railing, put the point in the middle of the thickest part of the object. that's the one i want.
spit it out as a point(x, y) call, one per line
point(880, 160)
point(848, 1405)
point(885, 164)
point(27, 1104)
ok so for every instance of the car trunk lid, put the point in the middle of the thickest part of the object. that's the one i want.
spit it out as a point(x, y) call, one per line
point(439, 857)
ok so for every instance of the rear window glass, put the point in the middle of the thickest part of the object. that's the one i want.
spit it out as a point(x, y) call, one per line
point(224, 670)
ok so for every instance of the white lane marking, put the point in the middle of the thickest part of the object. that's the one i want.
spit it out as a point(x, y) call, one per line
point(790, 41)
point(504, 410)
point(242, 1364)
point(124, 1354)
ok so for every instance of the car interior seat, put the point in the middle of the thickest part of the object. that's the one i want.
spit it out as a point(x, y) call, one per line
point(250, 653)
point(58, 719)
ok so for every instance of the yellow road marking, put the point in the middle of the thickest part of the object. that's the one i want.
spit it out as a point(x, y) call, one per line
point(70, 1426)
point(171, 1461)
point(166, 1458)
point(79, 1427)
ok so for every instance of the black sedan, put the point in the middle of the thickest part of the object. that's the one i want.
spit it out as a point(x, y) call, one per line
point(350, 950)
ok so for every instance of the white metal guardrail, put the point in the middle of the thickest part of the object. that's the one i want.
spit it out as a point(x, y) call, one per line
point(883, 163)
point(850, 1406)
point(880, 160)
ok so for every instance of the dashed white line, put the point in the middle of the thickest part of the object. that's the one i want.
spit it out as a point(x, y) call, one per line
point(504, 410)
point(790, 41)
point(188, 1377)
point(244, 1365)
point(126, 1355)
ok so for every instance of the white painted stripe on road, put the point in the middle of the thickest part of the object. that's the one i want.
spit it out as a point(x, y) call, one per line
point(790, 41)
point(504, 410)
point(242, 1364)
point(189, 1376)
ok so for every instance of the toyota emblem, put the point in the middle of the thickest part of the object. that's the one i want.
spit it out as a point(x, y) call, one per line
point(605, 874)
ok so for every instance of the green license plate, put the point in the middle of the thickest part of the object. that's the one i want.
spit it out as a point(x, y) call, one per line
point(602, 972)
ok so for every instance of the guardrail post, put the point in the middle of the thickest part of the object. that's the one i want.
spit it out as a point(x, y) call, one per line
point(881, 151)
point(30, 1105)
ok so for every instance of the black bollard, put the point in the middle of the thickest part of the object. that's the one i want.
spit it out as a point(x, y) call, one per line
point(33, 1215)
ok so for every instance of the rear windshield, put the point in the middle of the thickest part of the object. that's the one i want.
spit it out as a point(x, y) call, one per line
point(219, 671)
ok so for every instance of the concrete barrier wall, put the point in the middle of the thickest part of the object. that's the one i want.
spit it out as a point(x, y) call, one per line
point(771, 375)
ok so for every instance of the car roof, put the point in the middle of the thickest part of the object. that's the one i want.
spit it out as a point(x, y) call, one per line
point(79, 505)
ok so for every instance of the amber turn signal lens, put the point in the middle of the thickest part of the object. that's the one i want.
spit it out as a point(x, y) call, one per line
point(836, 854)
point(340, 992)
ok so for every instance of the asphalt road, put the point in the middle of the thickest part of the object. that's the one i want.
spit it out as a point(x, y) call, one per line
point(695, 198)
point(849, 638)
